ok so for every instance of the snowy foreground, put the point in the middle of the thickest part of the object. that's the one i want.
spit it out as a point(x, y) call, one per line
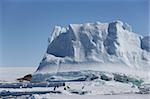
point(73, 85)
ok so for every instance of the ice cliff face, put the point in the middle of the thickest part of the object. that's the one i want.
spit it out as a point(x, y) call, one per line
point(96, 43)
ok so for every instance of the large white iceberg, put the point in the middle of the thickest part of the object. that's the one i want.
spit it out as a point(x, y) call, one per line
point(91, 46)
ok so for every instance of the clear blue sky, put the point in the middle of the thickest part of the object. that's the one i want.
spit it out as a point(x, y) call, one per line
point(25, 25)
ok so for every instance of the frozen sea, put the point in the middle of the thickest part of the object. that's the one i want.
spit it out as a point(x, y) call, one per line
point(9, 74)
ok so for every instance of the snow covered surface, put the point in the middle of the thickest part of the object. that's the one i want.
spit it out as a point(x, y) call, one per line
point(78, 84)
point(10, 74)
point(94, 97)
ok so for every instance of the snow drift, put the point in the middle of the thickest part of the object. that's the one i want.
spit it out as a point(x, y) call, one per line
point(94, 45)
